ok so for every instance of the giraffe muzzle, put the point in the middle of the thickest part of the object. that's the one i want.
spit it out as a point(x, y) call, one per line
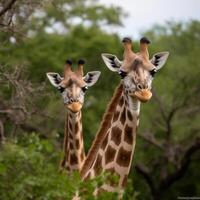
point(143, 95)
point(74, 107)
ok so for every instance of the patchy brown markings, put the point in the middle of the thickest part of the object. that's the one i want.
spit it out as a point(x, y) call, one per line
point(125, 103)
point(123, 116)
point(128, 134)
point(71, 146)
point(77, 144)
point(124, 180)
point(70, 135)
point(123, 157)
point(70, 125)
point(73, 159)
point(116, 135)
point(98, 165)
point(109, 154)
point(129, 115)
point(116, 116)
point(76, 127)
point(105, 142)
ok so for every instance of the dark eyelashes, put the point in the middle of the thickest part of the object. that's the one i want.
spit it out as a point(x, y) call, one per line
point(61, 89)
point(153, 72)
point(122, 74)
point(84, 88)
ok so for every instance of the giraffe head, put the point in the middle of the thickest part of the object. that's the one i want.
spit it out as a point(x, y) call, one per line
point(73, 85)
point(136, 70)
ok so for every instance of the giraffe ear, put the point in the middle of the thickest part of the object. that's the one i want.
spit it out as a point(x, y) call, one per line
point(111, 61)
point(159, 59)
point(91, 77)
point(54, 78)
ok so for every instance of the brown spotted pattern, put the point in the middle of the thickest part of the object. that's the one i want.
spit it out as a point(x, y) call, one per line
point(123, 157)
point(128, 134)
point(109, 154)
point(74, 154)
point(116, 150)
point(116, 135)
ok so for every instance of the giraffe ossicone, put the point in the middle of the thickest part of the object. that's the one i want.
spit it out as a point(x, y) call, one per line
point(72, 87)
point(113, 147)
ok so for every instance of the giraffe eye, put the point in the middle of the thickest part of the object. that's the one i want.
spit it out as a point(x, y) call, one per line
point(84, 88)
point(61, 89)
point(122, 74)
point(153, 72)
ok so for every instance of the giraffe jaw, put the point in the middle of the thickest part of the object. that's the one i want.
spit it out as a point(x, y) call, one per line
point(74, 107)
point(143, 95)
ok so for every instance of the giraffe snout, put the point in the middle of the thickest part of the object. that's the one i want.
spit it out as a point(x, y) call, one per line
point(74, 106)
point(71, 100)
point(142, 86)
point(143, 95)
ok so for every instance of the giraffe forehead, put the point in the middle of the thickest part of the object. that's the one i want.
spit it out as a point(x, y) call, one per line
point(73, 79)
point(135, 60)
point(140, 74)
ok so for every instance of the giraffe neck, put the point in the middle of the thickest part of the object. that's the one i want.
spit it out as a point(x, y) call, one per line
point(101, 133)
point(117, 148)
point(74, 154)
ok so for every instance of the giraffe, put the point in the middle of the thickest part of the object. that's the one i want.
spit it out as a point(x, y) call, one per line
point(113, 147)
point(72, 88)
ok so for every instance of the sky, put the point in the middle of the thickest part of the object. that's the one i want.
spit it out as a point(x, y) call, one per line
point(143, 14)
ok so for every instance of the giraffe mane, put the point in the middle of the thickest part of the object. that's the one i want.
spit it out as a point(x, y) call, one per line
point(101, 133)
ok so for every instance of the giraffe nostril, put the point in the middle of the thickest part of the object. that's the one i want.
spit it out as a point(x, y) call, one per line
point(139, 86)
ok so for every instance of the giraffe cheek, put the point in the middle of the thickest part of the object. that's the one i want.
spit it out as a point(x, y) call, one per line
point(74, 107)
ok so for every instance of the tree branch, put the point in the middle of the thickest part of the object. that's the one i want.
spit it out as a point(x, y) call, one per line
point(184, 164)
point(160, 105)
point(151, 139)
point(144, 171)
point(173, 111)
point(7, 7)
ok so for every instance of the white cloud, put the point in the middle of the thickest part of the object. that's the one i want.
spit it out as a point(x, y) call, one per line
point(145, 13)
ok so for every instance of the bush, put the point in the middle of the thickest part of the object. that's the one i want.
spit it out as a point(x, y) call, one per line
point(29, 170)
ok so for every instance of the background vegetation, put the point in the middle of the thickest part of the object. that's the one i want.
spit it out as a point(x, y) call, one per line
point(36, 37)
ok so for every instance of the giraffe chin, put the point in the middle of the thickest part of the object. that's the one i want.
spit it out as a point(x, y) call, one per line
point(74, 107)
point(143, 95)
